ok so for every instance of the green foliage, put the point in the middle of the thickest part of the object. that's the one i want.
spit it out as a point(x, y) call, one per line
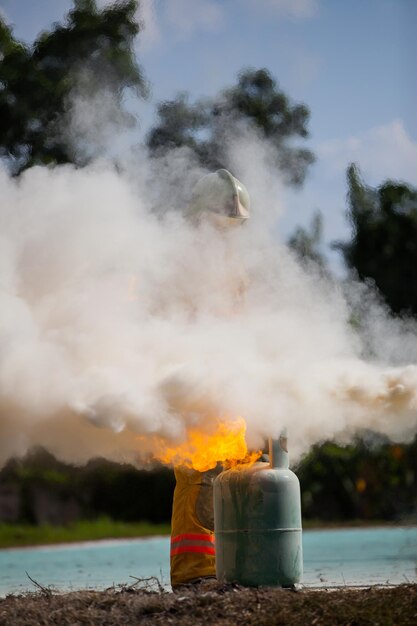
point(93, 46)
point(367, 480)
point(254, 103)
point(306, 242)
point(384, 239)
point(51, 491)
point(84, 530)
point(179, 124)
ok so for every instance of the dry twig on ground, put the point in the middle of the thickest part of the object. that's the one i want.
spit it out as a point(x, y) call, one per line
point(215, 605)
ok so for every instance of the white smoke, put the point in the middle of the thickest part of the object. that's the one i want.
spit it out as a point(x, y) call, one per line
point(88, 134)
point(121, 321)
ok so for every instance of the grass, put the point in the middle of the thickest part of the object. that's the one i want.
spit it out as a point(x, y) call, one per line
point(16, 535)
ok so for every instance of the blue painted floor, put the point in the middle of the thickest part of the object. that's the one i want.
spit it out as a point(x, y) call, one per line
point(331, 558)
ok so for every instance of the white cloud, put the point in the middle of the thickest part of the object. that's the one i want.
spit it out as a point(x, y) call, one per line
point(299, 9)
point(188, 16)
point(382, 152)
point(147, 13)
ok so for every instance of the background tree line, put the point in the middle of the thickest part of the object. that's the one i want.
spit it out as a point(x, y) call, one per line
point(95, 46)
point(368, 480)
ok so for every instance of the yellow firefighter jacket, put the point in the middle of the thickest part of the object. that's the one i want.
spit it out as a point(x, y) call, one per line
point(192, 536)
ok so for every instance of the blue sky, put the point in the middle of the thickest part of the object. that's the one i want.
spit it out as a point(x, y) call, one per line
point(353, 62)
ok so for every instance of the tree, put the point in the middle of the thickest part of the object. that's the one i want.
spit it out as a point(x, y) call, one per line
point(384, 239)
point(306, 242)
point(254, 103)
point(36, 81)
point(370, 479)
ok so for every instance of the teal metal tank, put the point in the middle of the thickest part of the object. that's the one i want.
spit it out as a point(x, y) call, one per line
point(257, 522)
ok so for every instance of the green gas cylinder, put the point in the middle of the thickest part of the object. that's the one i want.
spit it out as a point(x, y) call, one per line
point(257, 522)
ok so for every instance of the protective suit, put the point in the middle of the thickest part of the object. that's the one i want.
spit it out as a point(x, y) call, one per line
point(222, 199)
point(192, 529)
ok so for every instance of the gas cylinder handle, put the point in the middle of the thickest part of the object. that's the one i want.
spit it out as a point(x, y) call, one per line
point(278, 451)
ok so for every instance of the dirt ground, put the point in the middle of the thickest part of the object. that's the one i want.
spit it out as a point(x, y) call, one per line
point(214, 604)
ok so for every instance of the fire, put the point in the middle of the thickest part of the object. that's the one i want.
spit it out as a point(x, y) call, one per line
point(202, 451)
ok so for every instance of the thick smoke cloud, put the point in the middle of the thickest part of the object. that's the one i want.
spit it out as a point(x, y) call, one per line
point(122, 322)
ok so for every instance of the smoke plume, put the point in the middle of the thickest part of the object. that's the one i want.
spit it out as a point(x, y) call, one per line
point(122, 322)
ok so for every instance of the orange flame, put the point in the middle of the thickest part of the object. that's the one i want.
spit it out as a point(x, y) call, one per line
point(202, 451)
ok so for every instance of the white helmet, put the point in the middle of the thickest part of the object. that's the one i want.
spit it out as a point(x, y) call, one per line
point(222, 196)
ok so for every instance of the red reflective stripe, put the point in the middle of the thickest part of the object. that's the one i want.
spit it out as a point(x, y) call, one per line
point(201, 549)
point(193, 537)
